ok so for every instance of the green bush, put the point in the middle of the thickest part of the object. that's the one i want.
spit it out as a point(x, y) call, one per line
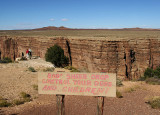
point(24, 95)
point(75, 70)
point(48, 69)
point(31, 69)
point(152, 73)
point(24, 98)
point(35, 87)
point(148, 73)
point(21, 101)
point(27, 99)
point(56, 56)
point(151, 76)
point(69, 67)
point(154, 102)
point(118, 94)
point(4, 103)
point(157, 72)
point(17, 102)
point(118, 82)
point(6, 60)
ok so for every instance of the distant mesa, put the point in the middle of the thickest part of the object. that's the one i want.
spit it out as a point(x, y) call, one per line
point(121, 29)
point(140, 29)
point(52, 28)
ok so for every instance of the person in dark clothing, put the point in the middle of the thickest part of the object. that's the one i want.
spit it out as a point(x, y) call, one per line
point(22, 54)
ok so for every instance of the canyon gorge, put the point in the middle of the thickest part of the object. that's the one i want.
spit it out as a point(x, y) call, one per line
point(128, 57)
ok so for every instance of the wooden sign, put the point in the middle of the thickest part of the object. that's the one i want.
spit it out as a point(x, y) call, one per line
point(88, 84)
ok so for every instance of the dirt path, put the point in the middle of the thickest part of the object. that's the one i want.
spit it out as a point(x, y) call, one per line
point(131, 104)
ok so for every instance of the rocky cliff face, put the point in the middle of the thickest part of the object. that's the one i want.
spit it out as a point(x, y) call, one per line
point(127, 57)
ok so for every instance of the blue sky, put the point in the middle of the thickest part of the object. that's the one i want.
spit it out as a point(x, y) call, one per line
point(27, 14)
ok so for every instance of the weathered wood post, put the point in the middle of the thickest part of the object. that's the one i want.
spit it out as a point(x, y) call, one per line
point(60, 105)
point(100, 105)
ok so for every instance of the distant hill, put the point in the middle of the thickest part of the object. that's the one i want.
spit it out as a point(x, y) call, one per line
point(139, 29)
point(52, 28)
point(122, 29)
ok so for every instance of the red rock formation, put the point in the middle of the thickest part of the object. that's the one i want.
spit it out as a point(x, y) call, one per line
point(127, 57)
point(53, 28)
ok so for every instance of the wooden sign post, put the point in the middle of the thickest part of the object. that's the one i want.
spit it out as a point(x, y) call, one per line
point(60, 105)
point(100, 105)
point(87, 84)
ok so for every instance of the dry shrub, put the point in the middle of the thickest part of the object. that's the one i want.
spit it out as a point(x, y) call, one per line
point(73, 69)
point(4, 103)
point(35, 87)
point(18, 102)
point(119, 94)
point(31, 69)
point(119, 82)
point(153, 81)
point(131, 89)
point(154, 102)
point(24, 95)
point(48, 69)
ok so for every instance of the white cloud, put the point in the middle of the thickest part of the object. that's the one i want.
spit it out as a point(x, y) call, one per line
point(52, 19)
point(64, 19)
point(144, 26)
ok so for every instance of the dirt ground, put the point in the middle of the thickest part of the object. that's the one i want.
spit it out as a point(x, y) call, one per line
point(15, 78)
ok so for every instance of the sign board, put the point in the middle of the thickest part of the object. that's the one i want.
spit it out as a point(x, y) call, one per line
point(88, 84)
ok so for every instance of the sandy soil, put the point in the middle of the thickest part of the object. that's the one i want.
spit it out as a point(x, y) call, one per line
point(15, 78)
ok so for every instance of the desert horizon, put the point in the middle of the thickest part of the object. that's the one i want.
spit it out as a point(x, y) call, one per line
point(79, 57)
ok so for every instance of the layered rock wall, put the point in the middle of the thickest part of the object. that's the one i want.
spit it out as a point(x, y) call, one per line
point(127, 57)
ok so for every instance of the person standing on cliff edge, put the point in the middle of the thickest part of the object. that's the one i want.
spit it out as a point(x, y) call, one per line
point(22, 54)
point(30, 53)
point(27, 53)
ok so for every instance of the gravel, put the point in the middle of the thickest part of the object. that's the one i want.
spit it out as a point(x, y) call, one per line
point(14, 78)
